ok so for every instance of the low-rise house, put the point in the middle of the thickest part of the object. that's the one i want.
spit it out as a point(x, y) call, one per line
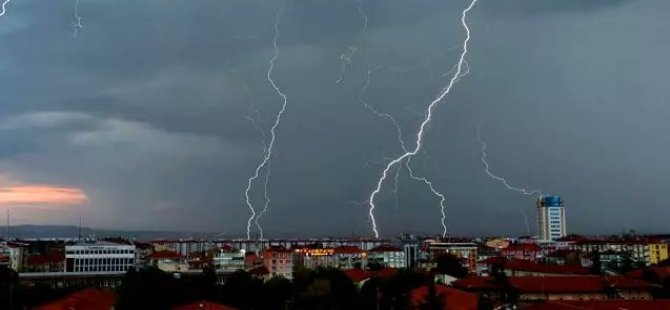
point(167, 261)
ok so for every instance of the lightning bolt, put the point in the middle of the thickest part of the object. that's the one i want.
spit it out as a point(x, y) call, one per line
point(273, 137)
point(347, 55)
point(443, 199)
point(427, 119)
point(523, 191)
point(76, 23)
point(2, 7)
point(495, 177)
point(267, 172)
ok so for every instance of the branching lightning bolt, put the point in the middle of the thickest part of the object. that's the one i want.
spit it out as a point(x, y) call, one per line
point(428, 117)
point(273, 137)
point(503, 181)
point(256, 124)
point(3, 7)
point(443, 199)
point(76, 23)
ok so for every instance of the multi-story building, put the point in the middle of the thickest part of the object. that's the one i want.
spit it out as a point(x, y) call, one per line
point(315, 257)
point(229, 259)
point(410, 244)
point(551, 217)
point(279, 261)
point(348, 257)
point(388, 256)
point(658, 252)
point(99, 257)
point(466, 251)
point(11, 255)
point(648, 251)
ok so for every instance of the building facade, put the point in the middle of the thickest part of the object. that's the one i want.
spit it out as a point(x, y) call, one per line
point(99, 257)
point(551, 217)
point(388, 256)
point(279, 262)
point(466, 251)
point(229, 259)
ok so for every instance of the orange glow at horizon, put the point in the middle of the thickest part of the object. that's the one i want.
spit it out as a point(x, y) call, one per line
point(41, 194)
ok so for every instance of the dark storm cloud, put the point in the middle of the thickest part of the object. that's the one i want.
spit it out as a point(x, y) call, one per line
point(146, 110)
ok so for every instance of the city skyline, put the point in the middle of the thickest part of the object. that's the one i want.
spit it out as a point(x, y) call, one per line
point(147, 116)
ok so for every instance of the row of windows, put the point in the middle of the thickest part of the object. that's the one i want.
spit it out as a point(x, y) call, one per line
point(103, 261)
point(102, 268)
point(100, 251)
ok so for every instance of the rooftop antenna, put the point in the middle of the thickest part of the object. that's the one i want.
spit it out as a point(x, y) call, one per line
point(79, 237)
point(7, 227)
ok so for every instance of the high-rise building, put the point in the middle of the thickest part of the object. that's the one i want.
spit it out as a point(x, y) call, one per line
point(550, 217)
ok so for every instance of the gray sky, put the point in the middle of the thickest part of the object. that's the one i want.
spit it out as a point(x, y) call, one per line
point(140, 122)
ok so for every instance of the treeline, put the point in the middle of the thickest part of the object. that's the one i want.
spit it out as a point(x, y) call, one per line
point(323, 288)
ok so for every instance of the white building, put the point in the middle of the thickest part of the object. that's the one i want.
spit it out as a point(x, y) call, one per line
point(388, 256)
point(550, 217)
point(11, 255)
point(229, 259)
point(99, 257)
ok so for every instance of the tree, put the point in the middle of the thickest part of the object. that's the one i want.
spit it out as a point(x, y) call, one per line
point(451, 265)
point(279, 292)
point(149, 288)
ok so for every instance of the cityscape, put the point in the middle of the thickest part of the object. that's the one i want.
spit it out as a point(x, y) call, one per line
point(550, 269)
point(334, 154)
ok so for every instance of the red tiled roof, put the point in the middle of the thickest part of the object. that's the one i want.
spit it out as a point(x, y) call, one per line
point(628, 283)
point(164, 255)
point(567, 284)
point(602, 305)
point(475, 283)
point(662, 272)
point(88, 299)
point(493, 261)
point(453, 299)
point(348, 250)
point(386, 272)
point(528, 247)
point(204, 305)
point(386, 248)
point(524, 265)
point(563, 253)
point(357, 275)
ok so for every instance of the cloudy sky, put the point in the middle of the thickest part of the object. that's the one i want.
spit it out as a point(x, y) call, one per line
point(143, 119)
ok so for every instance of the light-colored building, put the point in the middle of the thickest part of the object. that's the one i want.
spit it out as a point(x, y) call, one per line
point(551, 217)
point(229, 259)
point(388, 256)
point(99, 257)
point(11, 255)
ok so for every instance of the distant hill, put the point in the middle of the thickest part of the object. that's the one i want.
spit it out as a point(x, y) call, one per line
point(70, 231)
